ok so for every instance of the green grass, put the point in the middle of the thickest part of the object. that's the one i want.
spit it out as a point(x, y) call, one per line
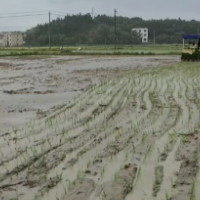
point(94, 50)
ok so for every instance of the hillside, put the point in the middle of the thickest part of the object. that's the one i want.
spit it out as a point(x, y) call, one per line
point(83, 29)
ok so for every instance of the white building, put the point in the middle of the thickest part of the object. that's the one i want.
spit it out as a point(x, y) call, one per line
point(142, 32)
point(11, 39)
point(1, 40)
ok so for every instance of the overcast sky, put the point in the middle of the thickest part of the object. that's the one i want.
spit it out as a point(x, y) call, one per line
point(146, 9)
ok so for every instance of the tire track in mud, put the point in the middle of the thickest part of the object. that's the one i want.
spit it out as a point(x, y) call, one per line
point(191, 96)
point(167, 171)
point(166, 183)
point(58, 138)
point(89, 147)
point(193, 110)
point(83, 98)
point(157, 102)
point(188, 155)
point(180, 125)
point(171, 166)
point(57, 142)
point(127, 107)
point(146, 106)
point(111, 161)
point(64, 116)
point(148, 165)
point(81, 164)
point(169, 177)
point(148, 142)
point(49, 139)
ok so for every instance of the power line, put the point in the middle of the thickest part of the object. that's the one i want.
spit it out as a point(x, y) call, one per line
point(58, 15)
point(24, 12)
point(29, 12)
point(14, 26)
point(13, 16)
point(57, 11)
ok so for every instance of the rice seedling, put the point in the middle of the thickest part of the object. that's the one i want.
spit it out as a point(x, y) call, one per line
point(102, 171)
point(167, 196)
point(192, 193)
point(158, 179)
point(62, 129)
point(184, 138)
point(80, 175)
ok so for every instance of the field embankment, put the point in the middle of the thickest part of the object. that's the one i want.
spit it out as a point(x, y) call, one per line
point(121, 50)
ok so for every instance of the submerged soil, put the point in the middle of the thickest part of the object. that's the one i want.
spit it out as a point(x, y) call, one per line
point(92, 128)
point(31, 86)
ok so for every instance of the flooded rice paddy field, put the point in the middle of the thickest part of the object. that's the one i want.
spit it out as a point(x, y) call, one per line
point(99, 128)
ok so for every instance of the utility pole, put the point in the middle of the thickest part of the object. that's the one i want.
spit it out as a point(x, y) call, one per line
point(92, 13)
point(49, 30)
point(115, 18)
point(154, 36)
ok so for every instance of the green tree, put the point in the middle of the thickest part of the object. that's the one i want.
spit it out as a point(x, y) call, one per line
point(83, 29)
point(136, 37)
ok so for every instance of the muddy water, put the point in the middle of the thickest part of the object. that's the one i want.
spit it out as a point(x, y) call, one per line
point(22, 77)
point(123, 124)
point(18, 109)
point(171, 167)
point(197, 191)
point(44, 83)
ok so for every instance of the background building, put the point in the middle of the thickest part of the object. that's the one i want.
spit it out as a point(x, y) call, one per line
point(140, 34)
point(1, 40)
point(11, 39)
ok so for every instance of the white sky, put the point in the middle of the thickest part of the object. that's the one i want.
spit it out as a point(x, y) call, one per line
point(146, 9)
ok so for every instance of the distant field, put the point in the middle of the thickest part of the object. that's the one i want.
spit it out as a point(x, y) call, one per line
point(94, 50)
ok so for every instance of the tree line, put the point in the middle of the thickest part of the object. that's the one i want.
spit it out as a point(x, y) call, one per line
point(83, 29)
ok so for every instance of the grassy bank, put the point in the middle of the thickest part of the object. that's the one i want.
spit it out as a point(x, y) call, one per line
point(93, 50)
